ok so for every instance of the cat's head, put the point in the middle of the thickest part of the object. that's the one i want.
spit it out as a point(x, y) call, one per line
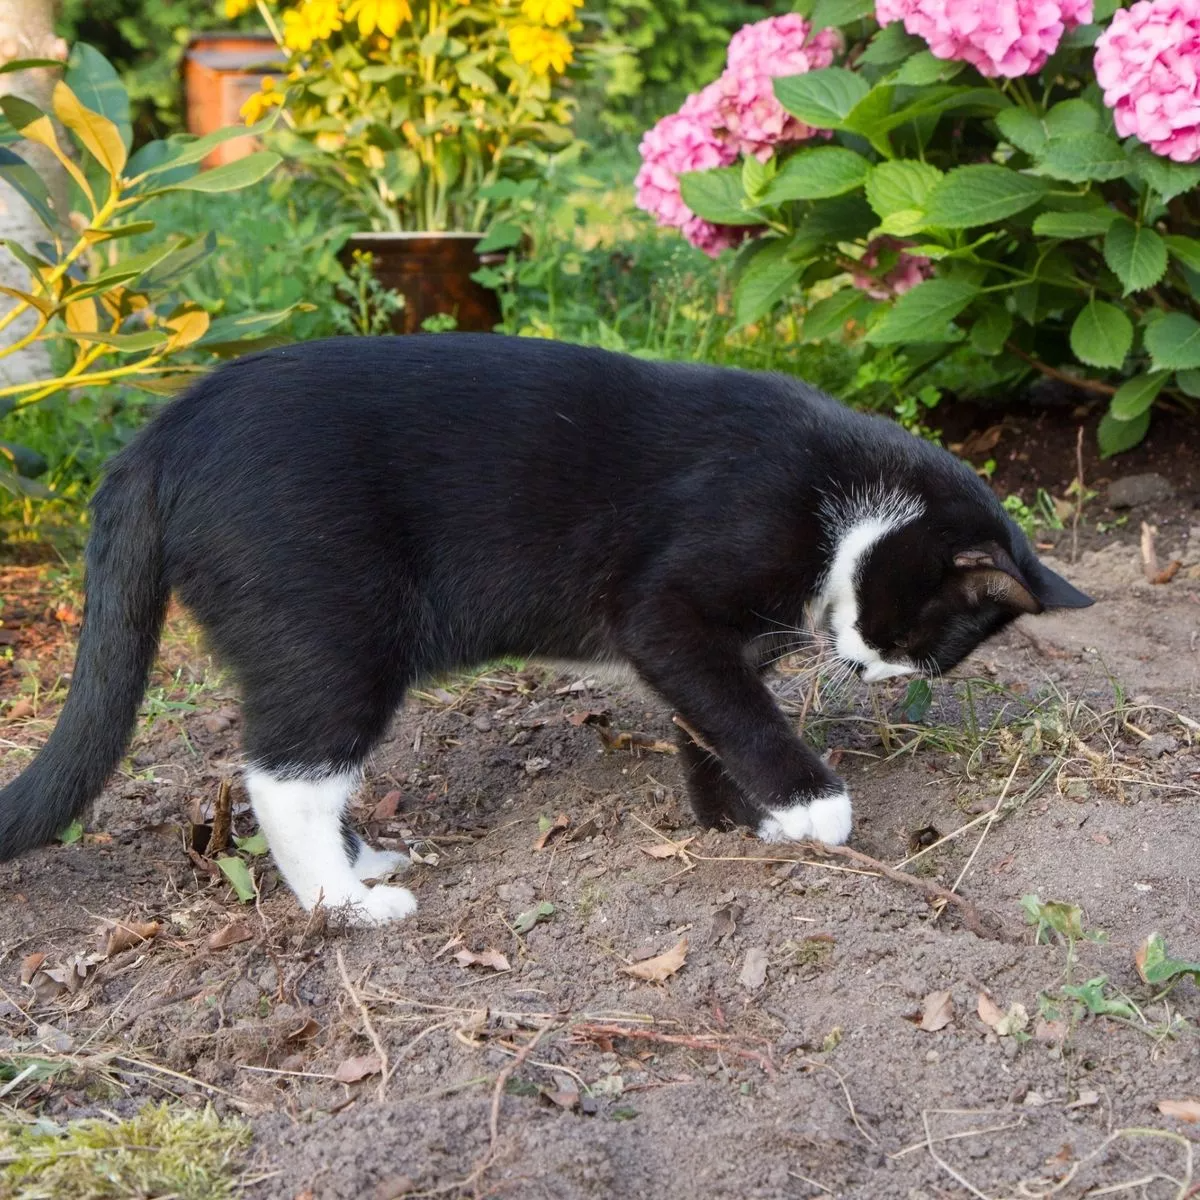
point(917, 578)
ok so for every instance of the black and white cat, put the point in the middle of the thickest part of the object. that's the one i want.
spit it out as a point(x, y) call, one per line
point(346, 517)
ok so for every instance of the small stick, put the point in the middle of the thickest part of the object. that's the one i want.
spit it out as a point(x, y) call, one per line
point(812, 1062)
point(384, 1069)
point(1075, 518)
point(1149, 556)
point(498, 1091)
point(992, 820)
point(687, 728)
point(222, 822)
point(689, 1041)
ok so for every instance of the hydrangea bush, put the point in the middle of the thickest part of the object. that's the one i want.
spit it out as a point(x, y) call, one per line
point(1001, 180)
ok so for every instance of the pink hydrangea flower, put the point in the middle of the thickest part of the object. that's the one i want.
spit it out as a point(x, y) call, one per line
point(908, 271)
point(1148, 63)
point(997, 37)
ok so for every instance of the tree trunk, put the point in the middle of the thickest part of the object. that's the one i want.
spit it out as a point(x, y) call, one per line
point(27, 31)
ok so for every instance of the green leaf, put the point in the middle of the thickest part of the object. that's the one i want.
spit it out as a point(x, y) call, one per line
point(917, 701)
point(981, 195)
point(527, 920)
point(1135, 253)
point(240, 173)
point(756, 177)
point(1023, 130)
point(870, 116)
point(10, 481)
point(1084, 223)
point(1185, 249)
point(28, 64)
point(922, 314)
point(1094, 997)
point(183, 256)
point(1080, 157)
point(72, 833)
point(924, 68)
point(124, 343)
point(244, 325)
point(821, 98)
point(900, 186)
point(502, 236)
point(835, 13)
point(16, 172)
point(183, 151)
point(1155, 965)
point(1071, 117)
point(828, 318)
point(818, 174)
point(1082, 37)
point(892, 44)
point(110, 233)
point(1168, 179)
point(716, 195)
point(235, 870)
point(991, 329)
point(769, 275)
point(95, 81)
point(1115, 436)
point(1102, 335)
point(94, 132)
point(1189, 383)
point(255, 844)
point(1135, 396)
point(1064, 919)
point(1173, 342)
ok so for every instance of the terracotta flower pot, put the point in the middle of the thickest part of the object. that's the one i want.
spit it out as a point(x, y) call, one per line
point(432, 271)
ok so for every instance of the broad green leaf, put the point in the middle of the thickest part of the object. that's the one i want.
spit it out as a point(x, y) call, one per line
point(1089, 222)
point(900, 186)
point(245, 325)
point(818, 174)
point(240, 173)
point(28, 184)
point(1185, 249)
point(98, 135)
point(765, 280)
point(924, 68)
point(1094, 996)
point(892, 44)
point(836, 13)
point(124, 343)
point(1173, 342)
point(1082, 37)
point(255, 844)
point(31, 262)
point(1135, 395)
point(96, 83)
point(503, 235)
point(1135, 253)
point(756, 177)
point(821, 98)
point(716, 195)
point(182, 257)
point(1071, 117)
point(991, 329)
point(1168, 179)
point(980, 195)
point(1115, 436)
point(1189, 383)
point(111, 232)
point(527, 920)
point(182, 152)
point(870, 116)
point(1023, 130)
point(828, 318)
point(72, 834)
point(924, 313)
point(235, 870)
point(842, 219)
point(903, 223)
point(935, 100)
point(1155, 965)
point(1102, 335)
point(917, 701)
point(1080, 157)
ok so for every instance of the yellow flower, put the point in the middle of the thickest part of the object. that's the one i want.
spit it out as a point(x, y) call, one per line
point(545, 50)
point(235, 8)
point(384, 15)
point(311, 21)
point(551, 12)
point(261, 101)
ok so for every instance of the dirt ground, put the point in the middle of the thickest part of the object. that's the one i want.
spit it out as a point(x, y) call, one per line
point(826, 1030)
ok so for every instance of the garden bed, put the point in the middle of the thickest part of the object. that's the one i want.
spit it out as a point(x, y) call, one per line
point(784, 1058)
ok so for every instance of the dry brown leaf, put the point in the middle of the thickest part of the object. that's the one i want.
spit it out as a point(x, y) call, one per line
point(30, 965)
point(937, 1011)
point(655, 970)
point(351, 1070)
point(1181, 1110)
point(560, 823)
point(990, 1013)
point(122, 935)
point(305, 1033)
point(754, 969)
point(229, 935)
point(724, 922)
point(667, 849)
point(588, 716)
point(485, 958)
point(628, 739)
point(386, 809)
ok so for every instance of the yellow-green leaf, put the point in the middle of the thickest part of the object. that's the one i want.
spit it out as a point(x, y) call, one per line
point(188, 325)
point(81, 316)
point(100, 137)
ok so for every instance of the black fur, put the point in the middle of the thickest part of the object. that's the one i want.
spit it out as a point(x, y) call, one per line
point(345, 517)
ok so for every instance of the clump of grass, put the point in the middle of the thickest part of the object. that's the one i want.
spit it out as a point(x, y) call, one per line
point(162, 1151)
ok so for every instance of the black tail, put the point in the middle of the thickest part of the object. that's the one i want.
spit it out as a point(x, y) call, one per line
point(122, 619)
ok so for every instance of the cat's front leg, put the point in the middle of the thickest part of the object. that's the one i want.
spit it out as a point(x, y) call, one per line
point(751, 769)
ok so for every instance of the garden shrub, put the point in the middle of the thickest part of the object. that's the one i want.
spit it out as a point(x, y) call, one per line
point(1016, 186)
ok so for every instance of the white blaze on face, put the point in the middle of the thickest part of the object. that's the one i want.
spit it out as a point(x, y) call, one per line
point(837, 602)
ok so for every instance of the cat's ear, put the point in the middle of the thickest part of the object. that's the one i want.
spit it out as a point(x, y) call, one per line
point(1055, 592)
point(989, 573)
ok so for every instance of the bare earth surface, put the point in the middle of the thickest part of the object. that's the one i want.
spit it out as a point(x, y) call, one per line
point(821, 1032)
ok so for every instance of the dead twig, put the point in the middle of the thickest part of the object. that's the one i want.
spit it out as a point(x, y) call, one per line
point(1078, 513)
point(812, 1062)
point(682, 724)
point(1150, 566)
point(691, 1041)
point(368, 1026)
point(222, 822)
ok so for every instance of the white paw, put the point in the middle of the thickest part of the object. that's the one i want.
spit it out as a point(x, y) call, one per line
point(382, 905)
point(379, 864)
point(826, 819)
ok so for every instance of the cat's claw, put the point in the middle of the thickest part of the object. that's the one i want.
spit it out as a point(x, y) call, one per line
point(379, 864)
point(825, 819)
